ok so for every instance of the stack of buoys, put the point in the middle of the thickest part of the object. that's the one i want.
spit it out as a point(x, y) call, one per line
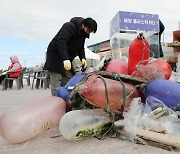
point(139, 65)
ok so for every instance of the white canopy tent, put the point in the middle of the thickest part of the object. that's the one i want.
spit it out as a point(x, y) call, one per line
point(90, 55)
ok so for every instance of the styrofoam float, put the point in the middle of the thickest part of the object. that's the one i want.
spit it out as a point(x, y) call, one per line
point(81, 124)
point(93, 90)
point(22, 123)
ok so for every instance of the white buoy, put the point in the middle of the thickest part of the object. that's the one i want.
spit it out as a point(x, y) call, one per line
point(80, 124)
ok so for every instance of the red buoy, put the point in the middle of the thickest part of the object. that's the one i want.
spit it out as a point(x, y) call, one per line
point(153, 70)
point(139, 52)
point(117, 66)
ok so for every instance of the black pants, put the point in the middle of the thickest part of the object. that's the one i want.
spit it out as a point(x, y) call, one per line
point(161, 50)
point(7, 83)
point(2, 77)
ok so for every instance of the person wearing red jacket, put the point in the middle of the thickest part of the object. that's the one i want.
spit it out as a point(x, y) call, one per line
point(13, 70)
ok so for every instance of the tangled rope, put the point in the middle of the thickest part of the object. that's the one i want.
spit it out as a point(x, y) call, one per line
point(108, 110)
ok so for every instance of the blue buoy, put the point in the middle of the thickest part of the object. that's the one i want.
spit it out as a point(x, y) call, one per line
point(166, 91)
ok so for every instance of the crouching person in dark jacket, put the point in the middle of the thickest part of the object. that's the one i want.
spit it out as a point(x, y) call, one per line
point(64, 47)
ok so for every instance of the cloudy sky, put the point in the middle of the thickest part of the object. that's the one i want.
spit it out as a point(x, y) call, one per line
point(27, 26)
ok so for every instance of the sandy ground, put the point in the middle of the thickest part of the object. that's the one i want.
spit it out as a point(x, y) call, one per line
point(47, 142)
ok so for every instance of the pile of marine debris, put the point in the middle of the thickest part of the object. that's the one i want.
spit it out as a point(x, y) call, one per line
point(146, 120)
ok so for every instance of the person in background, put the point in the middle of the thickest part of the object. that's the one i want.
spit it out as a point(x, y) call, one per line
point(156, 48)
point(161, 30)
point(64, 47)
point(13, 70)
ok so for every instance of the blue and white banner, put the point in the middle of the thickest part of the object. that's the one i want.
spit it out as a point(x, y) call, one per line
point(138, 21)
point(133, 21)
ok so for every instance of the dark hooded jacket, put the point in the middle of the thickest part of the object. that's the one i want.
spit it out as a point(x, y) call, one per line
point(66, 45)
point(161, 27)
